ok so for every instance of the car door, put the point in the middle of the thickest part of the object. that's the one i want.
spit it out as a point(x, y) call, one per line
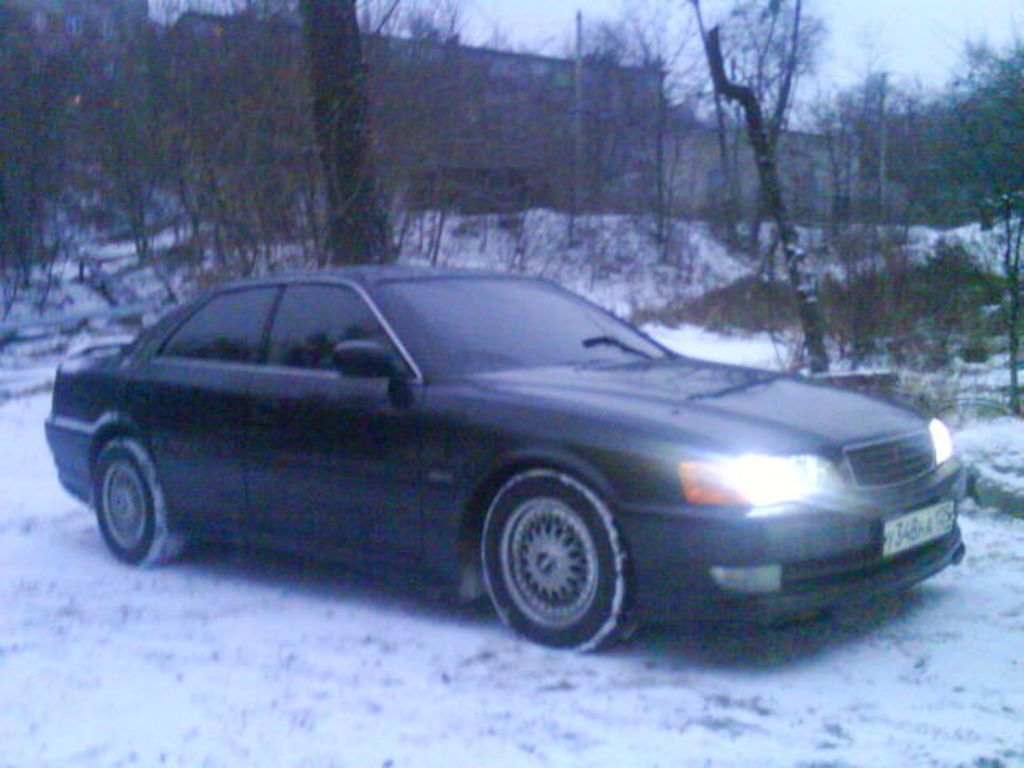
point(333, 459)
point(192, 399)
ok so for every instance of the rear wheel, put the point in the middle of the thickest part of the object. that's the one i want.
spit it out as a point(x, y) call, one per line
point(130, 507)
point(554, 563)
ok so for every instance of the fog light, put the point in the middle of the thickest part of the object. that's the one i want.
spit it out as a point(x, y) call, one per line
point(757, 580)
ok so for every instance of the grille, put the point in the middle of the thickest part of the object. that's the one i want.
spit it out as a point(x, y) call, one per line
point(891, 462)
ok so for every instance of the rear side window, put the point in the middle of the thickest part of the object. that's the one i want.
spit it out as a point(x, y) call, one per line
point(228, 329)
point(312, 319)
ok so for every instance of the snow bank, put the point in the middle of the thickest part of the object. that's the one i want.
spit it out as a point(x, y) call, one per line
point(755, 350)
point(613, 259)
point(996, 452)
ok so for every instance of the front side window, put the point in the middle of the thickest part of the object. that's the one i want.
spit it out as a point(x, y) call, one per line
point(228, 329)
point(313, 319)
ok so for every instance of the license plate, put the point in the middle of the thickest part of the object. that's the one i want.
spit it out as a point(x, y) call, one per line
point(908, 531)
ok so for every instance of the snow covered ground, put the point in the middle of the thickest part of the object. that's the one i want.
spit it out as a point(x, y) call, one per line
point(756, 350)
point(614, 261)
point(996, 450)
point(248, 659)
point(241, 658)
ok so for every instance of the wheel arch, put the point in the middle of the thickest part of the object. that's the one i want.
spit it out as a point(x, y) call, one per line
point(162, 542)
point(486, 487)
point(110, 426)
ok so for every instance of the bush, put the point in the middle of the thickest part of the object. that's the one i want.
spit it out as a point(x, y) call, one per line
point(975, 350)
point(894, 310)
point(749, 304)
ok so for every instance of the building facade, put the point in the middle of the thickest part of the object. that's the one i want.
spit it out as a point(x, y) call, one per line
point(822, 179)
point(60, 24)
point(486, 130)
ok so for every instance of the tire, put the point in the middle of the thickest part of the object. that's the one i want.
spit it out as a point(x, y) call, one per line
point(554, 563)
point(130, 507)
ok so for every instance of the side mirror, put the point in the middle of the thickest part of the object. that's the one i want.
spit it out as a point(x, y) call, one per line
point(364, 359)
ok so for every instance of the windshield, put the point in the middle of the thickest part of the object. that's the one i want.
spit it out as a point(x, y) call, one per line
point(464, 325)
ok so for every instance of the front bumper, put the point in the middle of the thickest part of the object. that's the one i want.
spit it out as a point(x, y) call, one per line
point(828, 556)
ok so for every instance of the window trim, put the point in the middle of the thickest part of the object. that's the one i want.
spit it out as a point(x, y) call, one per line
point(361, 293)
point(410, 361)
point(262, 363)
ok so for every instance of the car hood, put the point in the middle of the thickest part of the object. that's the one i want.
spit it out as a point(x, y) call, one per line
point(714, 405)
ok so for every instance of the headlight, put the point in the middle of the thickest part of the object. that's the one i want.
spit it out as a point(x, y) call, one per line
point(757, 480)
point(942, 441)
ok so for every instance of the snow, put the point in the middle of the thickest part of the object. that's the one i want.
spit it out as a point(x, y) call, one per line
point(985, 246)
point(996, 450)
point(240, 657)
point(614, 261)
point(755, 350)
point(245, 658)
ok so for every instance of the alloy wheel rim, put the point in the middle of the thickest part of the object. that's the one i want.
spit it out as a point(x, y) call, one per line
point(124, 505)
point(550, 562)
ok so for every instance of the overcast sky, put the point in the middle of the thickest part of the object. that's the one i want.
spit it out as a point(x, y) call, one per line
point(913, 39)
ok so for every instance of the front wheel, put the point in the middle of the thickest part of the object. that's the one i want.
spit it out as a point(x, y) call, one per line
point(554, 562)
point(130, 507)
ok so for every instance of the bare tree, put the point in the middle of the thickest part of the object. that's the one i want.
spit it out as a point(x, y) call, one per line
point(121, 129)
point(240, 141)
point(990, 106)
point(771, 45)
point(762, 135)
point(1005, 214)
point(357, 225)
point(657, 35)
point(36, 89)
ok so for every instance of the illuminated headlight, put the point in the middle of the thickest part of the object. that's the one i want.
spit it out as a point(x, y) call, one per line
point(757, 480)
point(942, 441)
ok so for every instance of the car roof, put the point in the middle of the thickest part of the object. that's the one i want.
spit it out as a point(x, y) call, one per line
point(371, 276)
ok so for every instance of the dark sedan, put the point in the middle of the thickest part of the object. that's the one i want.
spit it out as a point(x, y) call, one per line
point(505, 437)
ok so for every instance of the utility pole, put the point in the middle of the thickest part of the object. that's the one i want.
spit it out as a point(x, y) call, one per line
point(883, 148)
point(577, 181)
point(661, 212)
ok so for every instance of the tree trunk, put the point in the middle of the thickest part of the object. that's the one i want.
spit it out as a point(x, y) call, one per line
point(1015, 341)
point(1011, 267)
point(661, 212)
point(804, 290)
point(357, 226)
